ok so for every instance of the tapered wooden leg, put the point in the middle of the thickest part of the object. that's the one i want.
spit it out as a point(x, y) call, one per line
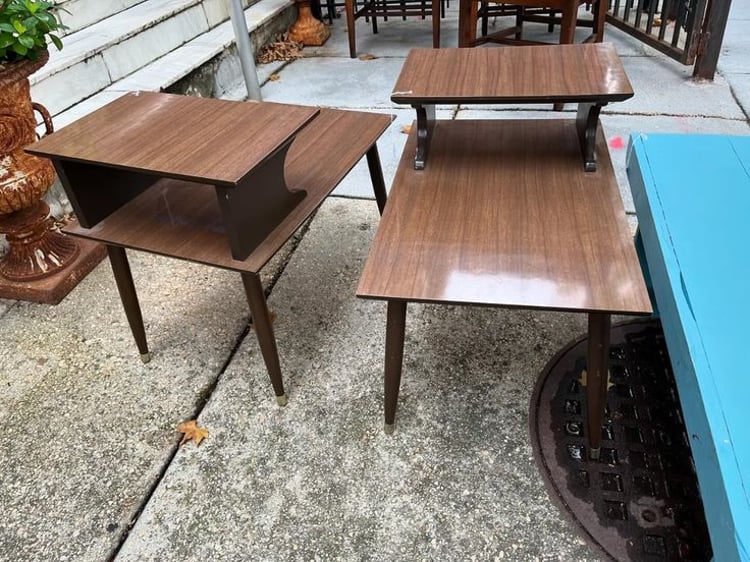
point(124, 279)
point(264, 332)
point(597, 371)
point(376, 175)
point(394, 357)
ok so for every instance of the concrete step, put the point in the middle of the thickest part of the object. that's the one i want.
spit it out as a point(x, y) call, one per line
point(207, 65)
point(78, 14)
point(101, 54)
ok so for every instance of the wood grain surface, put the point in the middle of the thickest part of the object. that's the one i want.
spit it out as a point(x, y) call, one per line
point(533, 74)
point(183, 137)
point(504, 215)
point(182, 219)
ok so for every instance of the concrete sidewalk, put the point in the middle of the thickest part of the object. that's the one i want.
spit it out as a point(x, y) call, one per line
point(89, 459)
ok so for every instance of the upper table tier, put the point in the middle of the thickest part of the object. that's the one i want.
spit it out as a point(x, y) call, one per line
point(535, 74)
point(213, 141)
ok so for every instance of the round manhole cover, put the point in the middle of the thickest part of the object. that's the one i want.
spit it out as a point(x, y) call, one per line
point(640, 500)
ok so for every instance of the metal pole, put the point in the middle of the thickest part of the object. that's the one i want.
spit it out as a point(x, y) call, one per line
point(717, 16)
point(247, 57)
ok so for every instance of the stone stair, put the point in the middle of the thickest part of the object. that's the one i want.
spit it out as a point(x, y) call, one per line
point(116, 46)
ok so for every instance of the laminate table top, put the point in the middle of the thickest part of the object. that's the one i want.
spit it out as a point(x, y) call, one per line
point(504, 216)
point(529, 74)
point(183, 137)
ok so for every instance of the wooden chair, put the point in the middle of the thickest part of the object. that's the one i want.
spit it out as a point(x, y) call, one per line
point(395, 8)
point(551, 12)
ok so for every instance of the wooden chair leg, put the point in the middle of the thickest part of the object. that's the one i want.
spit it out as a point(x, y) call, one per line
point(467, 23)
point(124, 279)
point(435, 24)
point(519, 22)
point(600, 16)
point(568, 24)
point(349, 7)
point(485, 18)
point(394, 357)
point(597, 378)
point(376, 176)
point(264, 331)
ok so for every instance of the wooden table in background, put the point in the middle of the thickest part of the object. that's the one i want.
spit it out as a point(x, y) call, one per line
point(468, 14)
point(216, 182)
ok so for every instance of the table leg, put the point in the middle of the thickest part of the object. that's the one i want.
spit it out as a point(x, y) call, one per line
point(425, 125)
point(264, 331)
point(568, 23)
point(435, 24)
point(394, 357)
point(600, 16)
point(376, 175)
point(124, 279)
point(587, 123)
point(467, 23)
point(350, 29)
point(597, 378)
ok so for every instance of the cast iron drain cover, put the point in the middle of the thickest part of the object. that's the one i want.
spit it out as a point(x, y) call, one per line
point(640, 500)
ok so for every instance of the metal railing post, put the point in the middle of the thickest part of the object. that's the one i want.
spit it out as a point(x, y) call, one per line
point(247, 57)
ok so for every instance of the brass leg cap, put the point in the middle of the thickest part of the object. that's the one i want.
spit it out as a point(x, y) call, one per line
point(594, 454)
point(281, 400)
point(145, 357)
point(388, 428)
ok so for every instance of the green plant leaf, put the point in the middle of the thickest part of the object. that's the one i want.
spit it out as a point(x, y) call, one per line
point(26, 41)
point(56, 40)
point(18, 26)
point(25, 26)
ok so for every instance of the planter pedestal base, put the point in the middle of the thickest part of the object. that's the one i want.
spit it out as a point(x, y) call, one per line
point(54, 288)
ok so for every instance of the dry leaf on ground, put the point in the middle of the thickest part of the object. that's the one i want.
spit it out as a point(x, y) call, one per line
point(406, 129)
point(191, 432)
point(275, 77)
point(367, 56)
point(282, 48)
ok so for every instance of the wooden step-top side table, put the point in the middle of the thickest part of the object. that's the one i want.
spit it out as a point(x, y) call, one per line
point(504, 215)
point(211, 181)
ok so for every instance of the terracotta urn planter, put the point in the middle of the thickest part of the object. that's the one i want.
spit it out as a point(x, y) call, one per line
point(308, 30)
point(35, 252)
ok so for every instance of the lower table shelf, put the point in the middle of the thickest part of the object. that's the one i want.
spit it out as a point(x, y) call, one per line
point(182, 219)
